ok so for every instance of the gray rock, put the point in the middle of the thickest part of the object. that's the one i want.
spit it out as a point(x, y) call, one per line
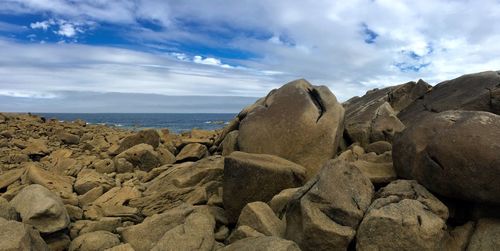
point(486, 235)
point(16, 236)
point(7, 211)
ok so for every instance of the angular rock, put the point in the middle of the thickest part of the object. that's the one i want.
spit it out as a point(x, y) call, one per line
point(81, 227)
point(298, 122)
point(94, 241)
point(142, 156)
point(152, 229)
point(196, 233)
point(114, 203)
point(230, 143)
point(259, 216)
point(18, 236)
point(243, 232)
point(58, 184)
point(58, 241)
point(486, 235)
point(11, 176)
point(403, 225)
point(256, 177)
point(122, 247)
point(68, 138)
point(379, 147)
point(324, 215)
point(105, 166)
point(279, 201)
point(88, 179)
point(454, 154)
point(378, 168)
point(264, 243)
point(472, 92)
point(166, 157)
point(7, 211)
point(371, 117)
point(149, 136)
point(123, 166)
point(405, 216)
point(41, 208)
point(192, 152)
point(192, 183)
point(36, 148)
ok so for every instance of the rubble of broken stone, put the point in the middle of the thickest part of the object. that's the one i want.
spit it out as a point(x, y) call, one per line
point(408, 167)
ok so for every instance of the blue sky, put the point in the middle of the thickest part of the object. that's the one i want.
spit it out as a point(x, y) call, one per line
point(56, 51)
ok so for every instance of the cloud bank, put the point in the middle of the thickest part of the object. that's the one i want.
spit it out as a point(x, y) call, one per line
point(239, 48)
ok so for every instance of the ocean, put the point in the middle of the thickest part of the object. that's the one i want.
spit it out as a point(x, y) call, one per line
point(175, 122)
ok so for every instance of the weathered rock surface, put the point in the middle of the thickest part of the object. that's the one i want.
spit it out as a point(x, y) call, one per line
point(259, 216)
point(453, 153)
point(299, 122)
point(41, 208)
point(378, 168)
point(196, 233)
point(150, 137)
point(256, 177)
point(16, 236)
point(192, 152)
point(372, 117)
point(264, 243)
point(472, 92)
point(88, 179)
point(7, 211)
point(141, 156)
point(94, 241)
point(192, 183)
point(486, 235)
point(324, 215)
point(405, 216)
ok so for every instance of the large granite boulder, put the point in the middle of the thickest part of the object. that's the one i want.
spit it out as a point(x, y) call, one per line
point(325, 214)
point(453, 153)
point(299, 122)
point(18, 236)
point(256, 177)
point(373, 116)
point(141, 156)
point(472, 92)
point(259, 216)
point(486, 235)
point(41, 208)
point(405, 216)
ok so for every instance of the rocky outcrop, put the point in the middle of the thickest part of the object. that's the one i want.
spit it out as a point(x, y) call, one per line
point(453, 153)
point(18, 236)
point(259, 216)
point(41, 208)
point(256, 177)
point(373, 116)
point(149, 137)
point(264, 243)
point(299, 122)
point(472, 92)
point(404, 216)
point(325, 213)
point(98, 240)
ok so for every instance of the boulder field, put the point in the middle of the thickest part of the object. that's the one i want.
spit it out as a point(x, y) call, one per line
point(407, 167)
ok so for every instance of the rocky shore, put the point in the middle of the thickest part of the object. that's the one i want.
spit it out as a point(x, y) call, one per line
point(408, 167)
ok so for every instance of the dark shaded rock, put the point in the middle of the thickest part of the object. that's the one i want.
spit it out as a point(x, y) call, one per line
point(472, 92)
point(299, 122)
point(256, 177)
point(324, 215)
point(192, 152)
point(379, 147)
point(453, 153)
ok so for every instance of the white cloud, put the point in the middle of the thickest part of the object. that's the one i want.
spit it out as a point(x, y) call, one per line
point(322, 41)
point(44, 25)
point(67, 30)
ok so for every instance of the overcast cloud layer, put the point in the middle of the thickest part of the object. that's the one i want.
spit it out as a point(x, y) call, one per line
point(56, 49)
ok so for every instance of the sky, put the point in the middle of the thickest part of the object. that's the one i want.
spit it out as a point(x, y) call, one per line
point(123, 55)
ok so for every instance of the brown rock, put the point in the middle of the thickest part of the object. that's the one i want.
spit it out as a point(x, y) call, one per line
point(94, 241)
point(88, 179)
point(379, 147)
point(41, 208)
point(324, 215)
point(299, 122)
point(68, 138)
point(243, 232)
point(279, 201)
point(142, 156)
point(11, 176)
point(7, 211)
point(230, 143)
point(259, 216)
point(256, 177)
point(18, 236)
point(150, 137)
point(472, 92)
point(122, 247)
point(109, 224)
point(105, 166)
point(58, 184)
point(453, 153)
point(263, 243)
point(486, 235)
point(192, 152)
